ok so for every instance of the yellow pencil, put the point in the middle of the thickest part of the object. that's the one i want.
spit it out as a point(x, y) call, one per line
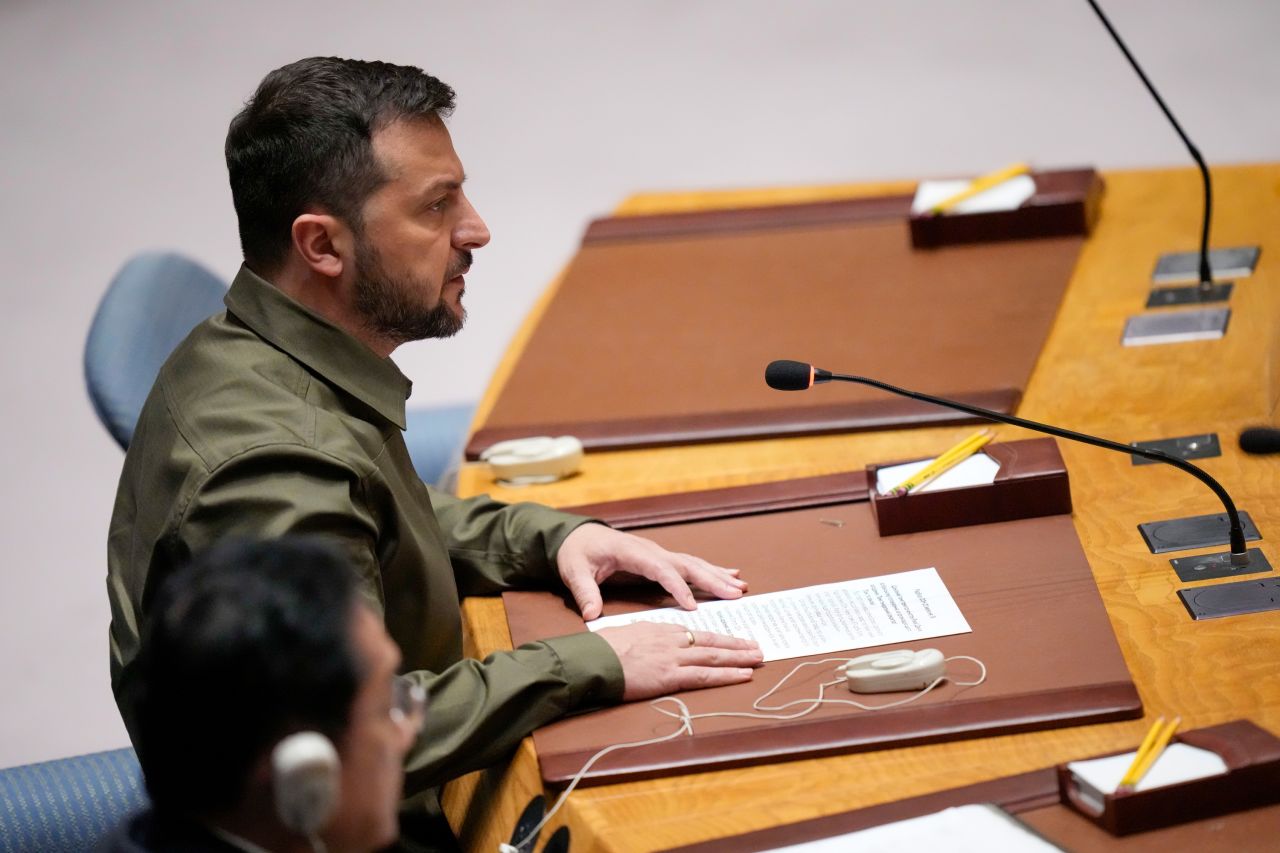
point(1153, 753)
point(1156, 750)
point(978, 185)
point(1147, 740)
point(945, 462)
point(946, 465)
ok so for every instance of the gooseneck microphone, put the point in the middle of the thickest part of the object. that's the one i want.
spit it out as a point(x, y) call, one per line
point(1206, 275)
point(787, 375)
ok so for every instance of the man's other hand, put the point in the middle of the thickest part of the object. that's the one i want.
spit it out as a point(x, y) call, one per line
point(594, 552)
point(657, 659)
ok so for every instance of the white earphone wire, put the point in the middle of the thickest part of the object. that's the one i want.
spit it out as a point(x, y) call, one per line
point(686, 723)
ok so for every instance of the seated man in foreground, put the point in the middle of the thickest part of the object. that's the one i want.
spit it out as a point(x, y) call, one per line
point(268, 709)
point(284, 415)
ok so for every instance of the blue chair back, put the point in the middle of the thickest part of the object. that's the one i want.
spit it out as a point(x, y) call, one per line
point(155, 300)
point(435, 437)
point(69, 805)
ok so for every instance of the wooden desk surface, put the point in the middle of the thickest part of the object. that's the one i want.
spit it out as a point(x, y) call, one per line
point(1208, 672)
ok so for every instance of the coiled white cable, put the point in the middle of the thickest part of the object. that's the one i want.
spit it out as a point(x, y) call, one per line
point(686, 723)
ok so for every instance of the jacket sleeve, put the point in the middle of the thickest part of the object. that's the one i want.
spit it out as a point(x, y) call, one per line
point(495, 546)
point(477, 711)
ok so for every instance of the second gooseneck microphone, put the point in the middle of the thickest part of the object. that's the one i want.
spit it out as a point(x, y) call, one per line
point(1206, 273)
point(786, 375)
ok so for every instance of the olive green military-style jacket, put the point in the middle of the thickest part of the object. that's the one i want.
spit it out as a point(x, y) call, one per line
point(269, 420)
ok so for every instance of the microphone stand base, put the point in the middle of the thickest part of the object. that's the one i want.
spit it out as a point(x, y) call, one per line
point(1184, 267)
point(1192, 294)
point(1197, 531)
point(1209, 566)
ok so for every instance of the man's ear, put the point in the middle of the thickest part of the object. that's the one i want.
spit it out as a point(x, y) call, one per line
point(324, 243)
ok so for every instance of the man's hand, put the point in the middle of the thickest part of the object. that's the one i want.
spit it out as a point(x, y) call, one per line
point(593, 552)
point(657, 659)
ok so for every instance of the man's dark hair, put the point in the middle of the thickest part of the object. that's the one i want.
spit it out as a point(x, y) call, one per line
point(248, 643)
point(304, 141)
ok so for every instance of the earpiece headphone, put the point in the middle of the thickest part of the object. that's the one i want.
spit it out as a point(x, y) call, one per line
point(304, 779)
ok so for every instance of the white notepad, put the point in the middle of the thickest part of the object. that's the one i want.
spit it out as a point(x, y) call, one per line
point(1178, 763)
point(1007, 195)
point(978, 470)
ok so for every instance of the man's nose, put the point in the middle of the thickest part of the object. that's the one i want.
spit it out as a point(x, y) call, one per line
point(471, 232)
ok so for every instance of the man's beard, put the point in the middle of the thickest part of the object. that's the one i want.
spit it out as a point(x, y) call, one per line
point(391, 306)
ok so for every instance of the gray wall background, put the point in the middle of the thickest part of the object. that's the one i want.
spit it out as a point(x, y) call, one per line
point(113, 117)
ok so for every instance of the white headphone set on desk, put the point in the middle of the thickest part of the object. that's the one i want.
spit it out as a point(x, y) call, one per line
point(539, 459)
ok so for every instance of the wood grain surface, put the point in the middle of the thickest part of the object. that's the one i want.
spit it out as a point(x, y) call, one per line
point(1208, 672)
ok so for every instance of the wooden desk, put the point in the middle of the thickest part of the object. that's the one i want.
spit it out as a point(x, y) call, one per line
point(1209, 672)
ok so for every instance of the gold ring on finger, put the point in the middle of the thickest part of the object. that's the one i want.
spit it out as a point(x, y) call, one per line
point(692, 641)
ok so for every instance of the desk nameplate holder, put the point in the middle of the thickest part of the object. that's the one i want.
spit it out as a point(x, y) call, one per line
point(1231, 599)
point(1178, 267)
point(1213, 566)
point(1195, 531)
point(1184, 447)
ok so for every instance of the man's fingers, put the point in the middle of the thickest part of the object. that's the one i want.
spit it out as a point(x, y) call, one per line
point(721, 582)
point(661, 658)
point(703, 657)
point(593, 553)
point(696, 677)
point(687, 572)
point(671, 581)
point(719, 650)
point(707, 639)
point(586, 594)
point(719, 585)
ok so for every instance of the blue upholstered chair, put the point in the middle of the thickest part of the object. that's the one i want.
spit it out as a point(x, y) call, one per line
point(68, 805)
point(153, 303)
point(435, 436)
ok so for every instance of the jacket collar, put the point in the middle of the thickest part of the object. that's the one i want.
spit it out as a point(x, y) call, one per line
point(323, 347)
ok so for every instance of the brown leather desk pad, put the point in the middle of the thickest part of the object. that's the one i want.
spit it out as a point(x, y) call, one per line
point(1024, 586)
point(1036, 800)
point(661, 329)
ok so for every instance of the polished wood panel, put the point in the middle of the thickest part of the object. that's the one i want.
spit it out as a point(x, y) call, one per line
point(1209, 672)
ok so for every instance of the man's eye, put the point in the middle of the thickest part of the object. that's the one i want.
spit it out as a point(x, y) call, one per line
point(439, 204)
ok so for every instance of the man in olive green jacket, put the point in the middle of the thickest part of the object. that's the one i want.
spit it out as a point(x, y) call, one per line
point(284, 415)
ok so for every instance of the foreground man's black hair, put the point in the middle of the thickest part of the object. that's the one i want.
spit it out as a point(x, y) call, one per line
point(245, 645)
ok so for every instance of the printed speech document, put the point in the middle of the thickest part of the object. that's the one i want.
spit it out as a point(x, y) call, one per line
point(815, 620)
